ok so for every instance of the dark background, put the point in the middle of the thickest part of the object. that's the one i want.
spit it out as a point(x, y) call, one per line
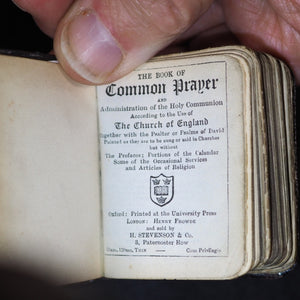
point(19, 32)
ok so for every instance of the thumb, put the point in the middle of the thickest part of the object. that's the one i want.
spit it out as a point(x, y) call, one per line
point(99, 41)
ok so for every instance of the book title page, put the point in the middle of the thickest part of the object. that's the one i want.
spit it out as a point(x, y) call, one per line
point(164, 158)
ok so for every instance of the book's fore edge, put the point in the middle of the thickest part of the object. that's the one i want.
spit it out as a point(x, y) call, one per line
point(27, 54)
point(295, 153)
point(296, 93)
point(280, 191)
point(295, 90)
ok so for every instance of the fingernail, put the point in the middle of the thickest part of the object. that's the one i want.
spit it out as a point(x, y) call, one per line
point(90, 48)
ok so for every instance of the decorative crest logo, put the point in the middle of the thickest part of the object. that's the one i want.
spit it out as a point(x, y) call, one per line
point(161, 189)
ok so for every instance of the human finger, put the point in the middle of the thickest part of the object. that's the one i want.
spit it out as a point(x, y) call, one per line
point(101, 41)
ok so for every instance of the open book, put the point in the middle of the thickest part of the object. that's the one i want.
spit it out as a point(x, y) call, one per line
point(184, 169)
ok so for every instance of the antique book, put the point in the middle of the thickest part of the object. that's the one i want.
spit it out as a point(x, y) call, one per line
point(183, 169)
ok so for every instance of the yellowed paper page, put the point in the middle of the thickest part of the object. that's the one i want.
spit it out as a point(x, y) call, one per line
point(49, 176)
point(174, 154)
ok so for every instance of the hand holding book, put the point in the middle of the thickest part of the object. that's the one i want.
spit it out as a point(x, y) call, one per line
point(188, 143)
point(133, 32)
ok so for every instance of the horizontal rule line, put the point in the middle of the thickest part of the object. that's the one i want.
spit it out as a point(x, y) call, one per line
point(153, 255)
